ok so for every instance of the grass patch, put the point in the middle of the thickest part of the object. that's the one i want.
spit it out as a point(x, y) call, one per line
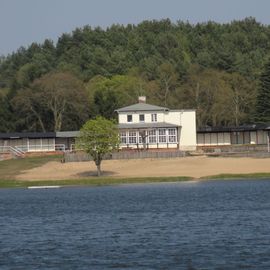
point(95, 181)
point(12, 167)
point(238, 176)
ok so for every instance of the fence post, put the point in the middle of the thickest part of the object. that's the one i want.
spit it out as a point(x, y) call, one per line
point(268, 143)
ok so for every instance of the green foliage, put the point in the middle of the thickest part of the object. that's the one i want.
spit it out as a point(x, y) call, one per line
point(106, 95)
point(56, 101)
point(6, 117)
point(98, 137)
point(263, 99)
point(159, 59)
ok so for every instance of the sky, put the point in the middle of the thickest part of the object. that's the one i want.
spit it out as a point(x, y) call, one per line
point(25, 21)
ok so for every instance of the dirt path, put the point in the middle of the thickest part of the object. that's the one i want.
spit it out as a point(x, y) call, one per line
point(189, 166)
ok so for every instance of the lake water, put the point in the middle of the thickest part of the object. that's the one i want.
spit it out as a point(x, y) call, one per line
point(190, 225)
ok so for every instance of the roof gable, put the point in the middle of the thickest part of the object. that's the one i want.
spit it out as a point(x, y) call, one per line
point(142, 107)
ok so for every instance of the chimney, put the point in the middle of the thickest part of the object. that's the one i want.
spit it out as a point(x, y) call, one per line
point(142, 99)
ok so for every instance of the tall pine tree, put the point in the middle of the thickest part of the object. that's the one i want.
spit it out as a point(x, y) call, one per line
point(263, 98)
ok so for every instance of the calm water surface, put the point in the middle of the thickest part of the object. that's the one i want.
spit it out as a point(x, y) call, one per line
point(205, 225)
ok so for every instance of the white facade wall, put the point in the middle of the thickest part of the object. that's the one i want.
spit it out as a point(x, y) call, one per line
point(122, 117)
point(188, 134)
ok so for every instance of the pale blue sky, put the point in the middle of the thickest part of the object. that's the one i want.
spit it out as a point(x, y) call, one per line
point(25, 21)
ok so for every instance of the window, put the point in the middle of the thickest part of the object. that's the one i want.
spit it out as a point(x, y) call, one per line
point(129, 118)
point(152, 136)
point(162, 135)
point(154, 117)
point(141, 116)
point(123, 137)
point(142, 136)
point(172, 135)
point(132, 137)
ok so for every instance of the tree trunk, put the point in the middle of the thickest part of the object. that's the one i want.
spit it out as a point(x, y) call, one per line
point(39, 119)
point(98, 170)
point(98, 160)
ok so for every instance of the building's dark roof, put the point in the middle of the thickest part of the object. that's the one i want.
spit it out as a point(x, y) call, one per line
point(146, 125)
point(142, 107)
point(67, 134)
point(18, 135)
point(250, 127)
point(37, 135)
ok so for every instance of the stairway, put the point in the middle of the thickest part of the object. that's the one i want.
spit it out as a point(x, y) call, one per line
point(9, 152)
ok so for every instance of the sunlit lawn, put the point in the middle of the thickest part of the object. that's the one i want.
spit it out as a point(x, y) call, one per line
point(10, 168)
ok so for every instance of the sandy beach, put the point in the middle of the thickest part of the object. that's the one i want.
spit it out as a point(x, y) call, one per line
point(189, 166)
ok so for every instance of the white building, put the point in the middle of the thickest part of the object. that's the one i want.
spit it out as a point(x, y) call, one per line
point(143, 125)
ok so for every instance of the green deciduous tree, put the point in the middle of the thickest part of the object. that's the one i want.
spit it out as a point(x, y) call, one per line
point(167, 80)
point(241, 94)
point(53, 100)
point(98, 137)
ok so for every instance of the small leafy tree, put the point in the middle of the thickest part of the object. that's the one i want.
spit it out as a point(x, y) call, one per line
point(98, 137)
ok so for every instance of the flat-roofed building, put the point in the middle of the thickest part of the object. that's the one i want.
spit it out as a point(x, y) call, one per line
point(253, 134)
point(38, 141)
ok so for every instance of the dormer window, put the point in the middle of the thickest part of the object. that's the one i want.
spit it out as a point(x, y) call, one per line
point(154, 117)
point(129, 118)
point(141, 117)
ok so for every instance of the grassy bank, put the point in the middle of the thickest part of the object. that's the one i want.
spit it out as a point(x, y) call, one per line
point(95, 181)
point(238, 176)
point(12, 167)
point(105, 181)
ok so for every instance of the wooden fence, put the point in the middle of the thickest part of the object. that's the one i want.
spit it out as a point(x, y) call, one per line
point(81, 156)
point(234, 148)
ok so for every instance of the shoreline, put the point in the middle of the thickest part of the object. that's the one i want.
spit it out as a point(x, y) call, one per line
point(108, 181)
point(47, 171)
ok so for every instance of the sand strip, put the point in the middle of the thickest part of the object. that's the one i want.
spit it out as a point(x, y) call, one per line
point(189, 166)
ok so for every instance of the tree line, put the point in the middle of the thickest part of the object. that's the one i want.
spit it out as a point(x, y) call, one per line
point(221, 70)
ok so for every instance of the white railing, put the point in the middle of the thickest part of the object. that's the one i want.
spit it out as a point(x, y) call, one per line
point(41, 148)
point(12, 150)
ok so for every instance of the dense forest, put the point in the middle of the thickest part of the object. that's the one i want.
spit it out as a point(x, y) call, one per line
point(221, 70)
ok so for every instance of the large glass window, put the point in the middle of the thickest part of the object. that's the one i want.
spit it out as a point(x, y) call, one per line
point(154, 117)
point(123, 137)
point(142, 136)
point(132, 137)
point(152, 136)
point(162, 135)
point(172, 135)
point(129, 117)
